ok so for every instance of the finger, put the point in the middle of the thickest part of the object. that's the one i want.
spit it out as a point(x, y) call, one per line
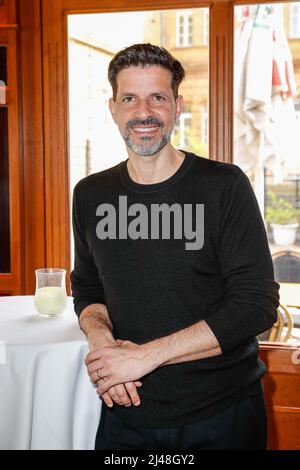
point(123, 395)
point(105, 386)
point(95, 364)
point(111, 392)
point(114, 396)
point(132, 392)
point(138, 384)
point(95, 378)
point(90, 357)
point(107, 399)
point(95, 367)
point(93, 355)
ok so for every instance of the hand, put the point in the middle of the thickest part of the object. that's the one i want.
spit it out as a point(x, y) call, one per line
point(120, 363)
point(122, 394)
point(118, 393)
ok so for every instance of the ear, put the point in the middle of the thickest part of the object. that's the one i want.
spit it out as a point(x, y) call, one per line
point(179, 106)
point(111, 105)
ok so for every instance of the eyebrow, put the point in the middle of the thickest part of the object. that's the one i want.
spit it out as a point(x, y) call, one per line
point(159, 92)
point(128, 94)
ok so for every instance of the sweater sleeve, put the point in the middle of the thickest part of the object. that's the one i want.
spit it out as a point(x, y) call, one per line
point(85, 282)
point(251, 293)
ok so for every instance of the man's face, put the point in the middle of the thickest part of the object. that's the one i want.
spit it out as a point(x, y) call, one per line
point(145, 109)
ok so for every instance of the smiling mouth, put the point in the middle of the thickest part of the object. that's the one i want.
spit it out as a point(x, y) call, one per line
point(145, 130)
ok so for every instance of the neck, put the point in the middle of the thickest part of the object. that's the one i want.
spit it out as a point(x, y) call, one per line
point(155, 168)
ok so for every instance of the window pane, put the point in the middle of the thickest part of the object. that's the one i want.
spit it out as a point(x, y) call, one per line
point(92, 43)
point(95, 143)
point(266, 132)
point(294, 20)
point(3, 67)
point(3, 74)
point(4, 194)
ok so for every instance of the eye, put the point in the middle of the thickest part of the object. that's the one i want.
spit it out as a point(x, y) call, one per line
point(128, 99)
point(159, 98)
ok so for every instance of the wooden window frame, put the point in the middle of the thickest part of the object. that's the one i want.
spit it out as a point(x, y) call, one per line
point(11, 282)
point(55, 93)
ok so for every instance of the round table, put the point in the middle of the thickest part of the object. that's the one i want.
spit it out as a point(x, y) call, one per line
point(46, 398)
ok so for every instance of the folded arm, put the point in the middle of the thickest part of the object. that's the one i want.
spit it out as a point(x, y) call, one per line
point(129, 361)
point(95, 322)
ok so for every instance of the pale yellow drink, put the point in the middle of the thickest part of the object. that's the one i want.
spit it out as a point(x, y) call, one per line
point(50, 301)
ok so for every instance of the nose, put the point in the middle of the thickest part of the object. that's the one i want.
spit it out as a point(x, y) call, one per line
point(143, 109)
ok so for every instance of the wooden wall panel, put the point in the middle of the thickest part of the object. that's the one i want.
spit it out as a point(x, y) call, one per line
point(282, 386)
point(4, 14)
point(30, 43)
point(221, 80)
point(284, 428)
point(11, 282)
point(55, 92)
point(15, 176)
point(7, 12)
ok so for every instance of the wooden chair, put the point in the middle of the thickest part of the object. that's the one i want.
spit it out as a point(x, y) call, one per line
point(286, 266)
point(284, 318)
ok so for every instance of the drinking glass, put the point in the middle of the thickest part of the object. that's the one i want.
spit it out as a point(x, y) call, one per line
point(50, 294)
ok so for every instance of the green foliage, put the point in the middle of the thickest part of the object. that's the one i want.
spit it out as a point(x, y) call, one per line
point(279, 211)
point(193, 143)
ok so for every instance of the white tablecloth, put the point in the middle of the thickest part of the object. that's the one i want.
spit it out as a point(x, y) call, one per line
point(46, 398)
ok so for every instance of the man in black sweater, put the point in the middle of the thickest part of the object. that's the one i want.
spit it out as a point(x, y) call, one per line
point(173, 279)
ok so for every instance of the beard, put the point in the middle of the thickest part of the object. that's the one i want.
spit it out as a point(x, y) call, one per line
point(148, 145)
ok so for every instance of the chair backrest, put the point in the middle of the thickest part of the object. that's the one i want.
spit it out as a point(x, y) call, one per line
point(286, 266)
point(284, 318)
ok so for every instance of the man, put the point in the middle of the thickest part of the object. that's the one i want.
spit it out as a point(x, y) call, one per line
point(173, 279)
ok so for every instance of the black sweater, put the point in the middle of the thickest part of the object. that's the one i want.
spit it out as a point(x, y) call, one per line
point(153, 287)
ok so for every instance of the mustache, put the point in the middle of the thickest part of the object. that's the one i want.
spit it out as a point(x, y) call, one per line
point(150, 121)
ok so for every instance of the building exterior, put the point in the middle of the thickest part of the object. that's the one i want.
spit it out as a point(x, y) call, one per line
point(185, 33)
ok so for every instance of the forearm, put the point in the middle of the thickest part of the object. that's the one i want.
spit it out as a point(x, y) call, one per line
point(95, 323)
point(192, 343)
point(129, 361)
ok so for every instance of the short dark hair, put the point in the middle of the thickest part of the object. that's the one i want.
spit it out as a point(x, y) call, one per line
point(145, 55)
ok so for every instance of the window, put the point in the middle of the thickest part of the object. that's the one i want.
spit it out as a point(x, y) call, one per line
point(95, 142)
point(4, 169)
point(294, 20)
point(266, 131)
point(185, 123)
point(184, 28)
point(3, 74)
point(204, 125)
point(205, 27)
point(4, 194)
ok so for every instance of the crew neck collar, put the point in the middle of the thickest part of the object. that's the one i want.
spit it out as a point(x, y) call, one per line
point(154, 187)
